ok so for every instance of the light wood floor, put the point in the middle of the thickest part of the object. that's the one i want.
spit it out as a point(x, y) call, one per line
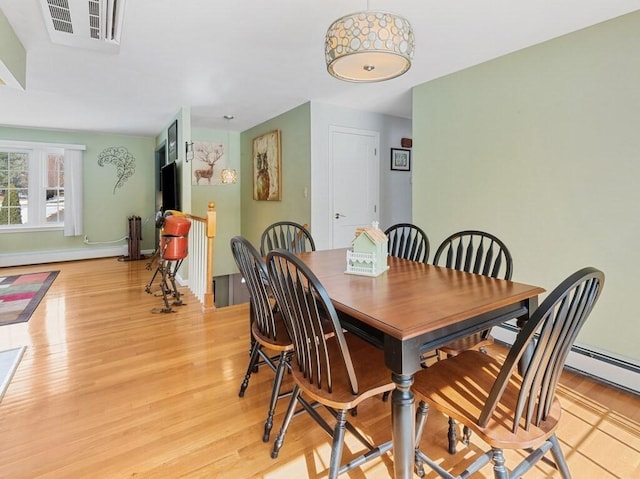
point(108, 389)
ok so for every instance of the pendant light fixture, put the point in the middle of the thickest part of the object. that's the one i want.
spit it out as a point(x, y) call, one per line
point(228, 176)
point(369, 46)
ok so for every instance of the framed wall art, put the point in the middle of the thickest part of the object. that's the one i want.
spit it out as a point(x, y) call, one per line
point(209, 159)
point(400, 159)
point(172, 141)
point(267, 167)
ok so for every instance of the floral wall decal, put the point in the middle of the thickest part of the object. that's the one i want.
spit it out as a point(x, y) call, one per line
point(123, 160)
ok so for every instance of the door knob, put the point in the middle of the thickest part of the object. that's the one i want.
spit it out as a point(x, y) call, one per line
point(340, 215)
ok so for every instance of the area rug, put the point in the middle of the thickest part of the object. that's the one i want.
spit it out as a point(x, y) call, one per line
point(21, 294)
point(9, 361)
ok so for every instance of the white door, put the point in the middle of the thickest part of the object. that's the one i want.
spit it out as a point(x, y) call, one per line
point(354, 181)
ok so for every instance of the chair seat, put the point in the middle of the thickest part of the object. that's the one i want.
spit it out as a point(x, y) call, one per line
point(464, 399)
point(281, 342)
point(476, 341)
point(373, 376)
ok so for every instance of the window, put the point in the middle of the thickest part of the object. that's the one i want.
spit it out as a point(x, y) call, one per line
point(54, 188)
point(32, 187)
point(14, 187)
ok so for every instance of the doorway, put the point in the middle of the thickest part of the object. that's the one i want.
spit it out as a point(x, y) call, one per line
point(354, 176)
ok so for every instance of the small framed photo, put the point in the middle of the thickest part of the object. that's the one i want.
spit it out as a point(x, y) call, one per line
point(172, 140)
point(400, 159)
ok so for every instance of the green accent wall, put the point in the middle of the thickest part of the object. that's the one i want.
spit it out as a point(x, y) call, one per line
point(542, 148)
point(105, 213)
point(295, 137)
point(225, 197)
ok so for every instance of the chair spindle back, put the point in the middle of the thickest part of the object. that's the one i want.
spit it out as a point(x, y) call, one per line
point(286, 235)
point(475, 252)
point(254, 271)
point(552, 328)
point(408, 241)
point(307, 309)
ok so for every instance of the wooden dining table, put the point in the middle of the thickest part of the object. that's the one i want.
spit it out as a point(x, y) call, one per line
point(413, 308)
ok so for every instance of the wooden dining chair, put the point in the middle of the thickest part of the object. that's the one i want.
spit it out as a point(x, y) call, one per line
point(268, 331)
point(287, 235)
point(480, 253)
point(408, 241)
point(335, 369)
point(512, 405)
point(474, 252)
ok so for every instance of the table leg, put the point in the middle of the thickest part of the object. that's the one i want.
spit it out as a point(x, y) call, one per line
point(403, 426)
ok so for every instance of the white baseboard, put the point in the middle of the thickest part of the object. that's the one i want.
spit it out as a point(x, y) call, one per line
point(55, 256)
point(607, 369)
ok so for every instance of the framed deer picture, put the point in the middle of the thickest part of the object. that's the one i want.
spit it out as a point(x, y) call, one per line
point(267, 167)
point(209, 159)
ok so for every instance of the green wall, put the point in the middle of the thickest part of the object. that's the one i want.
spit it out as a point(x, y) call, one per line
point(105, 211)
point(195, 198)
point(541, 147)
point(226, 198)
point(295, 131)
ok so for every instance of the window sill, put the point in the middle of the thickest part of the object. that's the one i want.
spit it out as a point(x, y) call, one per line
point(30, 229)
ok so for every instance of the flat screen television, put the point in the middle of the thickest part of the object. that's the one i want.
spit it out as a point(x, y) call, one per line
point(170, 187)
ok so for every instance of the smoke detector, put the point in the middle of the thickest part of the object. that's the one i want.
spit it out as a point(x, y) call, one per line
point(92, 24)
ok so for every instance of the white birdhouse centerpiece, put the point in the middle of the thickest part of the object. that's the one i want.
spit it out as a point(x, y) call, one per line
point(369, 251)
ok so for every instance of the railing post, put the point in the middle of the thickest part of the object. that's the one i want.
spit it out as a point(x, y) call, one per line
point(209, 300)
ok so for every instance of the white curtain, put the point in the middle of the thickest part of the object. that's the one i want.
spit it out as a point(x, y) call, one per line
point(73, 192)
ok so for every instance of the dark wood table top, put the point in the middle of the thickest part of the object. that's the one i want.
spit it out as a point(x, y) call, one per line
point(412, 299)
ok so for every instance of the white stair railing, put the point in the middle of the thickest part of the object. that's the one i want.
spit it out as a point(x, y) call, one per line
point(200, 258)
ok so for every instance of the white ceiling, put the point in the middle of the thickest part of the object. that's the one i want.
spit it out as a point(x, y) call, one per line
point(257, 59)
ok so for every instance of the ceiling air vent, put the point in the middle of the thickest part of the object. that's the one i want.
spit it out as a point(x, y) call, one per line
point(94, 18)
point(60, 15)
point(92, 24)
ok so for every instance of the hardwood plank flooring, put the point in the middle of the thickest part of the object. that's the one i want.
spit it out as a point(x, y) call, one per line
point(108, 389)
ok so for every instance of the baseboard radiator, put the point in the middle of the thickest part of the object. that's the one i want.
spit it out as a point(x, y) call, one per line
point(56, 256)
point(617, 372)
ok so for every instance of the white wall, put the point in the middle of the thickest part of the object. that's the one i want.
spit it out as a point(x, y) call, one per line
point(395, 186)
point(391, 129)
